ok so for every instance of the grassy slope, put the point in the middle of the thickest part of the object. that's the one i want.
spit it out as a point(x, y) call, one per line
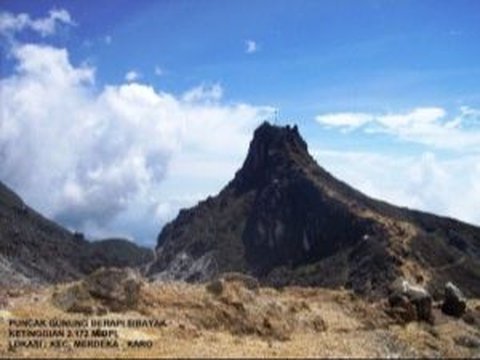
point(295, 322)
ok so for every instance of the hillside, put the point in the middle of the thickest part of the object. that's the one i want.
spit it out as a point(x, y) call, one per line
point(34, 249)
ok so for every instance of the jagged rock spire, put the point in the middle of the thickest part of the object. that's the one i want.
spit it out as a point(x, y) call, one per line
point(272, 151)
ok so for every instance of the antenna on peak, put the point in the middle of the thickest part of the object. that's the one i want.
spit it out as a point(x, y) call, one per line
point(275, 120)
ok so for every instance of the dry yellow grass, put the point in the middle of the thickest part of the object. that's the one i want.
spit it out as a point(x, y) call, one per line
point(264, 322)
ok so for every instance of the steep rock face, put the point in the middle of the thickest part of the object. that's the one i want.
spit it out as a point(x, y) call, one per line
point(290, 221)
point(286, 220)
point(34, 249)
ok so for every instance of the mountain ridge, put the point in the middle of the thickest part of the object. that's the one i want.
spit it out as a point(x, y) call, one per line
point(34, 249)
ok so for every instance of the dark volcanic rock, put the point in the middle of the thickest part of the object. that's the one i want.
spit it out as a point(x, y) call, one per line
point(34, 249)
point(454, 303)
point(118, 253)
point(286, 220)
point(467, 341)
point(402, 308)
point(410, 302)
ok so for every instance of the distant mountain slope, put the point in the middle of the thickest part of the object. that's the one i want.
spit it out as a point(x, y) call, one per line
point(35, 249)
point(286, 220)
point(118, 252)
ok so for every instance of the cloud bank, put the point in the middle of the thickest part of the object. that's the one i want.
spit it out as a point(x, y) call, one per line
point(426, 181)
point(93, 157)
point(442, 178)
point(426, 125)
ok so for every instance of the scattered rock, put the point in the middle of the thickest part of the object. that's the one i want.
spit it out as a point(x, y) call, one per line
point(468, 342)
point(242, 311)
point(215, 287)
point(276, 328)
point(119, 289)
point(401, 308)
point(423, 305)
point(455, 302)
point(106, 289)
point(318, 324)
point(74, 299)
point(410, 302)
point(471, 317)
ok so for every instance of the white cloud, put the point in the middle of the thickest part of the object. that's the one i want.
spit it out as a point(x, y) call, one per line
point(132, 75)
point(104, 160)
point(426, 181)
point(108, 39)
point(251, 46)
point(429, 126)
point(347, 121)
point(423, 181)
point(159, 71)
point(11, 23)
point(204, 93)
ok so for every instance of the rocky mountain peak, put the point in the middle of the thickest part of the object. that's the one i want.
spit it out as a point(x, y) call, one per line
point(286, 220)
point(273, 152)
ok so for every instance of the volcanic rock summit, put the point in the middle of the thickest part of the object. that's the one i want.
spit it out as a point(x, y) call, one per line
point(286, 220)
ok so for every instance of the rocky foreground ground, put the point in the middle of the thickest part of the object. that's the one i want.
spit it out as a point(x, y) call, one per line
point(230, 317)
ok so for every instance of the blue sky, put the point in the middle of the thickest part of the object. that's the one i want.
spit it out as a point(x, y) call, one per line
point(390, 85)
point(313, 55)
